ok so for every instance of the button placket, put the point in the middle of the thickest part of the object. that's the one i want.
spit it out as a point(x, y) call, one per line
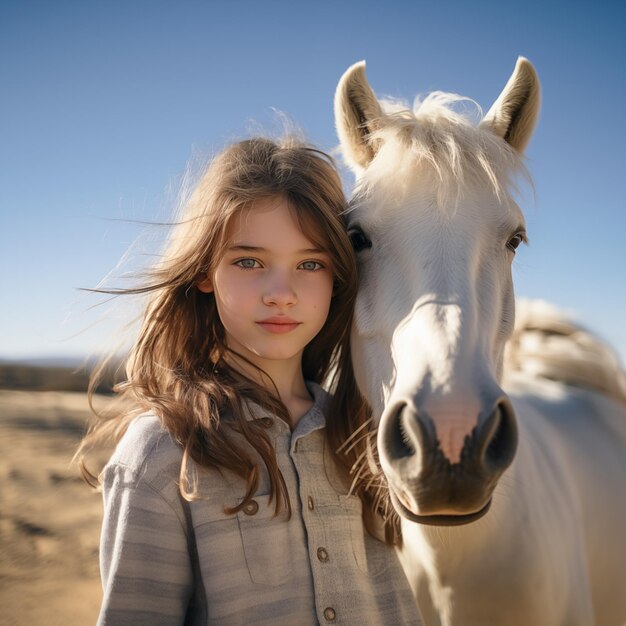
point(324, 569)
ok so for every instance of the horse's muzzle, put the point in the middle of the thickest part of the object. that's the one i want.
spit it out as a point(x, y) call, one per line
point(425, 485)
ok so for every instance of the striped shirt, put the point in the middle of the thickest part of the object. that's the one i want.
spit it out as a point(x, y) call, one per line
point(167, 561)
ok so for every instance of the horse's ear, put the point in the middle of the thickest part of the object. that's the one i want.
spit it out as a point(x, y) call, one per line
point(357, 116)
point(514, 114)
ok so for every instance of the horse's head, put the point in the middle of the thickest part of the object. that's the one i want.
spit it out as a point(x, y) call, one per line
point(435, 228)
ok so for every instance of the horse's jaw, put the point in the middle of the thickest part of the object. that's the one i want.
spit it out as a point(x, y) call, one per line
point(450, 519)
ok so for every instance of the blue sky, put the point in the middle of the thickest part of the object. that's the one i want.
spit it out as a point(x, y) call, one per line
point(104, 103)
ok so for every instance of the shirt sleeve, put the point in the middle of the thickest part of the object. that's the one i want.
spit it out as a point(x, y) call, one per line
point(144, 558)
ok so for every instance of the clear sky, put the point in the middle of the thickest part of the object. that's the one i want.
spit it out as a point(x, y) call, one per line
point(103, 104)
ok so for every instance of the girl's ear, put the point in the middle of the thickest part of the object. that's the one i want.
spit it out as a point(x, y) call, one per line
point(205, 285)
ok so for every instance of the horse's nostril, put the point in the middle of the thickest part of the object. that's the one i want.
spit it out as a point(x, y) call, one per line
point(501, 447)
point(400, 444)
point(397, 437)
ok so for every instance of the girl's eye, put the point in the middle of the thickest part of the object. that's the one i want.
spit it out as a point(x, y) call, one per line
point(515, 241)
point(359, 239)
point(311, 266)
point(247, 264)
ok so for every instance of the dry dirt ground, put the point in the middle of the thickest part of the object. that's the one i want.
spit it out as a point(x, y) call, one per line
point(49, 518)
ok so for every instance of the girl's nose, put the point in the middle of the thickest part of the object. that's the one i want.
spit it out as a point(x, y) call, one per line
point(279, 292)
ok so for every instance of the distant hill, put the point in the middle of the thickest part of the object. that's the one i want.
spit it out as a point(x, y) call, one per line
point(50, 361)
point(52, 374)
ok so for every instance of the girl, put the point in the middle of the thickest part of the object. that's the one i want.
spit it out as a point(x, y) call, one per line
point(227, 501)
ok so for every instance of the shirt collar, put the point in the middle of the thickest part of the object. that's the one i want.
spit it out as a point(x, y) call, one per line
point(314, 418)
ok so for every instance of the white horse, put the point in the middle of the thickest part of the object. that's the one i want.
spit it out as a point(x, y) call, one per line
point(513, 504)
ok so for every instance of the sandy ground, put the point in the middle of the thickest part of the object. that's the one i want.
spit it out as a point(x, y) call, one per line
point(49, 518)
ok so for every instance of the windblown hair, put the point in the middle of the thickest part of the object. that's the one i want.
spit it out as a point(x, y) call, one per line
point(442, 144)
point(178, 368)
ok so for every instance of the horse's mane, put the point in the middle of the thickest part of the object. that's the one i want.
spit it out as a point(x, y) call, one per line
point(547, 343)
point(441, 138)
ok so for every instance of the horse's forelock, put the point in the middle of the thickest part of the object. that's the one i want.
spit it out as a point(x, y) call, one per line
point(439, 140)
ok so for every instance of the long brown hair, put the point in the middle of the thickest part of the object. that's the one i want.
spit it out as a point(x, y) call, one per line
point(177, 367)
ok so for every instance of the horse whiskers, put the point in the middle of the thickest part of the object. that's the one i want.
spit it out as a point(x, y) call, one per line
point(361, 471)
point(384, 502)
point(367, 460)
point(366, 471)
point(375, 481)
point(356, 437)
point(358, 463)
point(356, 443)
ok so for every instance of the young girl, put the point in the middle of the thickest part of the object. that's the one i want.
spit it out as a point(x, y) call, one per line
point(227, 499)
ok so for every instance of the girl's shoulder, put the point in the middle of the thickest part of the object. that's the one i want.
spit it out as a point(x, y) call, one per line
point(146, 451)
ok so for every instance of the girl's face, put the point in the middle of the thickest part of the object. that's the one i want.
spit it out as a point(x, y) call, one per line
point(272, 287)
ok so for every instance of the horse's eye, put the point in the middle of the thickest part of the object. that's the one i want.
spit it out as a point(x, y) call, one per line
point(515, 241)
point(359, 239)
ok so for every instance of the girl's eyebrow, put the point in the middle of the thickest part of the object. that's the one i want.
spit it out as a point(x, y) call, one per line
point(245, 248)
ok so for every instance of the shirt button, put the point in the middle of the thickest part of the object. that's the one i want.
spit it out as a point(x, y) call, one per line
point(322, 555)
point(267, 422)
point(310, 503)
point(251, 508)
point(329, 614)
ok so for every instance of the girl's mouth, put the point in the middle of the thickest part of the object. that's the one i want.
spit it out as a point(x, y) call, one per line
point(279, 325)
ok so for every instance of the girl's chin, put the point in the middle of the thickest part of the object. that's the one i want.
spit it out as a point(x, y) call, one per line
point(270, 358)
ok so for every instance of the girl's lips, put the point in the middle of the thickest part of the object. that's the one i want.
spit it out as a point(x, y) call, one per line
point(278, 325)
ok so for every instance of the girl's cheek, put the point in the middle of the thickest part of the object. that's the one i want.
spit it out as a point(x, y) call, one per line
point(231, 275)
